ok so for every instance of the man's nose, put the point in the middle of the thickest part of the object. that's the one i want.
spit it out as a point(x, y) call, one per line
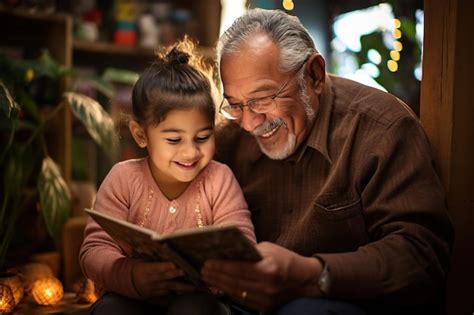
point(250, 119)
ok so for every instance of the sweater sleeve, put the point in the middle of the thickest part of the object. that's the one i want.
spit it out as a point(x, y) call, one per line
point(229, 205)
point(101, 259)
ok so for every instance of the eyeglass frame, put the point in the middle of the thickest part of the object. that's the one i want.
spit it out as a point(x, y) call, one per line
point(241, 105)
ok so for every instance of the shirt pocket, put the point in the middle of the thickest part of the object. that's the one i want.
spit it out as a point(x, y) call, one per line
point(340, 223)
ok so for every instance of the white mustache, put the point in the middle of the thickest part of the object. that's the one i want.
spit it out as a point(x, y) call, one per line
point(268, 126)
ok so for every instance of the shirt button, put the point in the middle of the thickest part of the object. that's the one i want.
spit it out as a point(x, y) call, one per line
point(172, 209)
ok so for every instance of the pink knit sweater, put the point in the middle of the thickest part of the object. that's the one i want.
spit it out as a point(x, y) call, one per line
point(129, 192)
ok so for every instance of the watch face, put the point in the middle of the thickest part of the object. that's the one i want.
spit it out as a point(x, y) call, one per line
point(324, 281)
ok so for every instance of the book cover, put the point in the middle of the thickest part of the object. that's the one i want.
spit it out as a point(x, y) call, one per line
point(187, 248)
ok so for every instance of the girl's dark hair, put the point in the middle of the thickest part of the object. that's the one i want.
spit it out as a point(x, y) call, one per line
point(177, 79)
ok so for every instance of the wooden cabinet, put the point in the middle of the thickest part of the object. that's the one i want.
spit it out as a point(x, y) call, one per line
point(27, 34)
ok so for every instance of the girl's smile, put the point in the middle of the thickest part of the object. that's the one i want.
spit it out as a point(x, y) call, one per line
point(179, 147)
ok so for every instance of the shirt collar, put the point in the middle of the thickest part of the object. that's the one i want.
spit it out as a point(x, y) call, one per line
point(319, 132)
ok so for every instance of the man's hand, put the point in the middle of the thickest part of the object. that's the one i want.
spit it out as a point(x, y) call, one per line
point(280, 276)
point(152, 279)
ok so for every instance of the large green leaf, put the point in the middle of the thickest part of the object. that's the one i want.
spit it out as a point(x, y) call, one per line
point(7, 103)
point(55, 197)
point(97, 121)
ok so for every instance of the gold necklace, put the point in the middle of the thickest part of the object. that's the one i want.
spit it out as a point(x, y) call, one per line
point(173, 208)
point(197, 209)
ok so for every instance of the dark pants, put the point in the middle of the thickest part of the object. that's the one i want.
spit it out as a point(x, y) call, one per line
point(307, 306)
point(199, 304)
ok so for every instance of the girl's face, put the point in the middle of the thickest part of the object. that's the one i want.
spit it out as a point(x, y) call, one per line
point(180, 147)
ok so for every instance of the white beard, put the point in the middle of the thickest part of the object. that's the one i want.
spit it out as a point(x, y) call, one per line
point(290, 146)
point(282, 153)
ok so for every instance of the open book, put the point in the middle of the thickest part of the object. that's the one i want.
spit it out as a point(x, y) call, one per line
point(188, 248)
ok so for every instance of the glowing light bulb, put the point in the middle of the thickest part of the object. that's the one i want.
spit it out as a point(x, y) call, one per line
point(392, 65)
point(47, 291)
point(7, 301)
point(397, 23)
point(397, 46)
point(397, 33)
point(395, 55)
point(288, 5)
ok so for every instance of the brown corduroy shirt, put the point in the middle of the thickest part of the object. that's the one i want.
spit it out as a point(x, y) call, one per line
point(361, 192)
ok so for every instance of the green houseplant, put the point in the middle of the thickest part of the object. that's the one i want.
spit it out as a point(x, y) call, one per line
point(29, 172)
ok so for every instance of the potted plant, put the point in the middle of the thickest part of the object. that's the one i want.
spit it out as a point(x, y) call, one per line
point(29, 172)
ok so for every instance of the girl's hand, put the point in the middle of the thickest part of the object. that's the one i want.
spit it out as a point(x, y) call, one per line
point(153, 279)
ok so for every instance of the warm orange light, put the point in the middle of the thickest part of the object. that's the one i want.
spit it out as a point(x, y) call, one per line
point(14, 283)
point(392, 65)
point(397, 33)
point(288, 5)
point(47, 291)
point(7, 301)
point(397, 46)
point(397, 23)
point(395, 55)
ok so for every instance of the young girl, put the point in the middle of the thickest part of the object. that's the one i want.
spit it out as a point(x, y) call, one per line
point(176, 186)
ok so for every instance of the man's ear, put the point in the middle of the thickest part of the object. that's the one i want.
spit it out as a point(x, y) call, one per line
point(138, 133)
point(317, 72)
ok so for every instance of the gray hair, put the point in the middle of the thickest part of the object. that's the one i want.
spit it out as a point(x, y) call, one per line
point(285, 30)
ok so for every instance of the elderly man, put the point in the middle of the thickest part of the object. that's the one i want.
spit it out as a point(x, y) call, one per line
point(348, 209)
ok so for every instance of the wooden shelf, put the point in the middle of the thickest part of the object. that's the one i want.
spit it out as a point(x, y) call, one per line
point(111, 49)
point(104, 54)
point(34, 15)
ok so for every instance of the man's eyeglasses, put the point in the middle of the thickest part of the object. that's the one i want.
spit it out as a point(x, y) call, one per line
point(260, 105)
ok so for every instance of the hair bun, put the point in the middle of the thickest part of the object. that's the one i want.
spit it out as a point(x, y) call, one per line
point(176, 56)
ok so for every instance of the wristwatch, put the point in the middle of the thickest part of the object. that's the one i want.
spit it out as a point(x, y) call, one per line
point(324, 281)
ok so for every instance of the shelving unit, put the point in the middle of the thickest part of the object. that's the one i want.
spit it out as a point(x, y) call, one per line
point(102, 55)
point(30, 32)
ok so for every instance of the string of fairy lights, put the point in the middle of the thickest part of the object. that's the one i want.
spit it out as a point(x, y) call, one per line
point(392, 64)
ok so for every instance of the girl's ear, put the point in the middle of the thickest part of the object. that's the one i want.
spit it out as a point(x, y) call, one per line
point(138, 133)
point(317, 72)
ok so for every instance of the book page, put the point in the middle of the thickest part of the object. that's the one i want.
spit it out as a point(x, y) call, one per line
point(217, 242)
